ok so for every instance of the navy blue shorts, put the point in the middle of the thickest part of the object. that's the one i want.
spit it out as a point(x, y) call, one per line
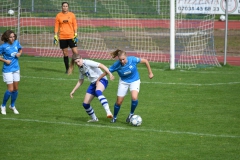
point(92, 87)
point(65, 43)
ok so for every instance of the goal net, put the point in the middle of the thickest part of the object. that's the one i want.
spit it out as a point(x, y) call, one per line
point(195, 41)
point(140, 27)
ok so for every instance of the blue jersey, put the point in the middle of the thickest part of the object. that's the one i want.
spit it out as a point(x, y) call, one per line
point(8, 52)
point(128, 73)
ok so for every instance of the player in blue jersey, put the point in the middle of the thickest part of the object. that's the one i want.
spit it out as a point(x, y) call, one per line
point(10, 51)
point(126, 67)
point(92, 71)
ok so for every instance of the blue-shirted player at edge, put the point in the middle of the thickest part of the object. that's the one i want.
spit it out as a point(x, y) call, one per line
point(126, 67)
point(10, 51)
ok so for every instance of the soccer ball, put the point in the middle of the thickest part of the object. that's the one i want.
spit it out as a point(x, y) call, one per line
point(136, 120)
point(222, 18)
point(11, 12)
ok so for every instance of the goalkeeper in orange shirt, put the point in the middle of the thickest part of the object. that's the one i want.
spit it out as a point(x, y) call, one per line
point(66, 32)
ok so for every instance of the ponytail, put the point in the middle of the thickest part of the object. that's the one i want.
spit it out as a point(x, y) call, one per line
point(71, 67)
point(116, 53)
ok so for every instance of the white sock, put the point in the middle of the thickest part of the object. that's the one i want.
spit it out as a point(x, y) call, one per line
point(93, 116)
point(106, 107)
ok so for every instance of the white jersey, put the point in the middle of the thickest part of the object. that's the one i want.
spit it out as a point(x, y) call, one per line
point(90, 70)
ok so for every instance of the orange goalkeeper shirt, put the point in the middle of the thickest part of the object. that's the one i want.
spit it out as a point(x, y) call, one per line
point(65, 25)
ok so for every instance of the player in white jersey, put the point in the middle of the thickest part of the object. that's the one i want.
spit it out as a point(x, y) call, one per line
point(92, 71)
point(126, 68)
point(10, 51)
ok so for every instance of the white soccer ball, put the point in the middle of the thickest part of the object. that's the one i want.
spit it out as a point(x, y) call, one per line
point(222, 18)
point(136, 120)
point(11, 12)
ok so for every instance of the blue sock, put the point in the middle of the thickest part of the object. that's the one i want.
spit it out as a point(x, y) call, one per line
point(133, 106)
point(14, 97)
point(6, 96)
point(116, 110)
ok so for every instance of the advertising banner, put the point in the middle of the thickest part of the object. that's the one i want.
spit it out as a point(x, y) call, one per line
point(207, 6)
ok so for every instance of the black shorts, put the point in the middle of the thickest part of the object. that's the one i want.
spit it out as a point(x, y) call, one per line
point(67, 43)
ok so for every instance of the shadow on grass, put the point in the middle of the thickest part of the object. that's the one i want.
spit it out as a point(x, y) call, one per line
point(83, 120)
point(102, 120)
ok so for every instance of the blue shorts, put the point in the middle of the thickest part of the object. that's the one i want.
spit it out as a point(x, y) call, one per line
point(92, 87)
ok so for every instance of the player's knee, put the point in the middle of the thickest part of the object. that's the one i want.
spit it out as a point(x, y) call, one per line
point(119, 103)
point(10, 89)
point(15, 88)
point(86, 106)
point(98, 93)
point(134, 98)
point(65, 52)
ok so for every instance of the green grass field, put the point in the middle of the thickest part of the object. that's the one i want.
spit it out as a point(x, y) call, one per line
point(187, 114)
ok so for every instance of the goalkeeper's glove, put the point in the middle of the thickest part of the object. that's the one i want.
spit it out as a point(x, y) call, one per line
point(75, 39)
point(55, 41)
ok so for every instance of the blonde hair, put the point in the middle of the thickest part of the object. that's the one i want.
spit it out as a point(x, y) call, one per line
point(71, 67)
point(118, 53)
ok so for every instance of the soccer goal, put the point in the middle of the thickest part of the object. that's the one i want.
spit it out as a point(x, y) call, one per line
point(140, 27)
point(195, 41)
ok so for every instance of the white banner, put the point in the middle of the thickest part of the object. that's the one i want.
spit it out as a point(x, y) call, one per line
point(207, 6)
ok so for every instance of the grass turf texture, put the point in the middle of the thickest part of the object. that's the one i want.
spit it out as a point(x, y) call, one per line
point(187, 114)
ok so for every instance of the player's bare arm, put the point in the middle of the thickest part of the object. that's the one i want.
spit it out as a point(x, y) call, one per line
point(150, 74)
point(19, 53)
point(5, 61)
point(101, 76)
point(106, 71)
point(79, 83)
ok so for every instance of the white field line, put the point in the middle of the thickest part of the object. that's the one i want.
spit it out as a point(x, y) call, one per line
point(124, 128)
point(150, 81)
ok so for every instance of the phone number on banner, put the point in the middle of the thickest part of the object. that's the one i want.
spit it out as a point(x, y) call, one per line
point(197, 9)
